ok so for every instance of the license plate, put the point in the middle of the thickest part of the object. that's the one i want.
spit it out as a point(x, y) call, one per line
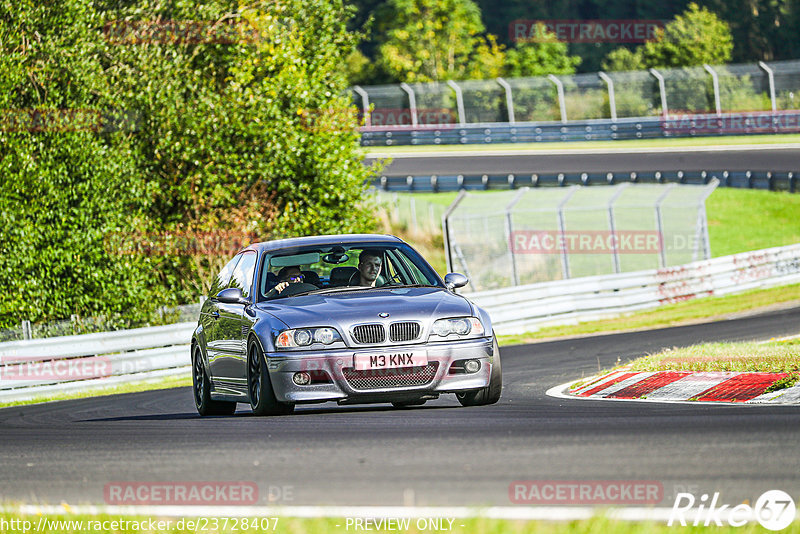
point(390, 360)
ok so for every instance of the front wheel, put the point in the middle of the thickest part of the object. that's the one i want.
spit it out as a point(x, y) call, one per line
point(259, 386)
point(202, 390)
point(491, 393)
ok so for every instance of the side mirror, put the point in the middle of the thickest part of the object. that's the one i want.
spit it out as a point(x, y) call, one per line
point(455, 280)
point(232, 295)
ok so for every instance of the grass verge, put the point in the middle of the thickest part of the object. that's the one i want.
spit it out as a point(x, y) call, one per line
point(134, 524)
point(771, 357)
point(690, 311)
point(163, 383)
point(584, 145)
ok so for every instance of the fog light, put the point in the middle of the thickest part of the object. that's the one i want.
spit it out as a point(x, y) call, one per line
point(472, 366)
point(301, 379)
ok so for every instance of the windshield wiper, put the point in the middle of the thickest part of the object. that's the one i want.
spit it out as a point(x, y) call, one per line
point(324, 290)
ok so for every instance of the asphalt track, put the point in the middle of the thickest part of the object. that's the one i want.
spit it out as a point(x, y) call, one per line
point(641, 160)
point(437, 454)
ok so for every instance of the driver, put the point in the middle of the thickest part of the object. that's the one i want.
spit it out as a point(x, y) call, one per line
point(287, 275)
point(369, 267)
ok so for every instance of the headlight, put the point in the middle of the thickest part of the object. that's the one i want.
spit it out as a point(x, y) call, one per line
point(303, 337)
point(461, 326)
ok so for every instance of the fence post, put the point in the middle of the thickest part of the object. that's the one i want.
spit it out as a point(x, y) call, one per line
point(712, 185)
point(26, 330)
point(662, 89)
point(412, 206)
point(771, 78)
point(561, 104)
point(715, 82)
point(459, 102)
point(612, 100)
point(612, 225)
point(660, 225)
point(446, 229)
point(509, 99)
point(562, 230)
point(510, 237)
point(412, 102)
point(365, 104)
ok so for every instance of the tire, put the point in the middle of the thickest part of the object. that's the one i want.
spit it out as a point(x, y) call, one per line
point(491, 393)
point(259, 386)
point(404, 404)
point(201, 386)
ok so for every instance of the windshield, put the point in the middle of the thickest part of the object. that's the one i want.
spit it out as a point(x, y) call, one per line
point(333, 268)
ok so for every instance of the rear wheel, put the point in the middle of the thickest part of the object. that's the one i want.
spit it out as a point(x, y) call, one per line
point(202, 390)
point(491, 393)
point(259, 386)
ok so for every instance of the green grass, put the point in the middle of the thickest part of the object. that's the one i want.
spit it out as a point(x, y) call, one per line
point(163, 383)
point(584, 145)
point(338, 525)
point(702, 309)
point(770, 357)
point(740, 220)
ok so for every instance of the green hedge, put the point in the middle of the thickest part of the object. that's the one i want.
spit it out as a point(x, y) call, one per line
point(237, 129)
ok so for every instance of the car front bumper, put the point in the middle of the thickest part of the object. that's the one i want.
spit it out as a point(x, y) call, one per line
point(345, 384)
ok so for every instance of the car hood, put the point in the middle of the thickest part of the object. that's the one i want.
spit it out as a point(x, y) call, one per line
point(363, 306)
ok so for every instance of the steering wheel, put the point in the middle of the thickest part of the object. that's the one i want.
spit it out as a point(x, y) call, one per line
point(393, 280)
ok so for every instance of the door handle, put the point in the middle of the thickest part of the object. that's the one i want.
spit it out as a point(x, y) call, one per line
point(214, 314)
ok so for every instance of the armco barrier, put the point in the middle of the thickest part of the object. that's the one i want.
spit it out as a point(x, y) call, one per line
point(767, 180)
point(68, 363)
point(525, 308)
point(703, 125)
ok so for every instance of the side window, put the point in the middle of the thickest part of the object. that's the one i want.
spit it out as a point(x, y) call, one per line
point(243, 273)
point(223, 278)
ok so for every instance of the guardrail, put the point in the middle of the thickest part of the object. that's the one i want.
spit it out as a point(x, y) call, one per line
point(768, 180)
point(40, 367)
point(525, 308)
point(590, 130)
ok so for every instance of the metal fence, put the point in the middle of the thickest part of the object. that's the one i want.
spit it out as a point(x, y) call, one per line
point(530, 235)
point(522, 309)
point(707, 100)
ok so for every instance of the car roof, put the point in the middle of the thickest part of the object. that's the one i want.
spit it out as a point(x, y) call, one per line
point(340, 239)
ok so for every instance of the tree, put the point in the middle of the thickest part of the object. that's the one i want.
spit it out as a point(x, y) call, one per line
point(546, 55)
point(696, 37)
point(432, 40)
point(241, 129)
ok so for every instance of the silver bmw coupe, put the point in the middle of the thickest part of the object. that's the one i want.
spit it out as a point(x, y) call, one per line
point(350, 318)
